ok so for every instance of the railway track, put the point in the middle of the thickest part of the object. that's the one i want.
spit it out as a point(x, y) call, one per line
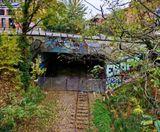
point(80, 119)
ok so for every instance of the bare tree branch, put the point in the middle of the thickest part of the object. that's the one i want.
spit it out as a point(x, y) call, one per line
point(148, 8)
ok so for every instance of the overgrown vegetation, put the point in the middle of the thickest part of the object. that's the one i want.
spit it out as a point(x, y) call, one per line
point(130, 109)
point(9, 74)
point(16, 105)
point(21, 109)
point(134, 106)
point(20, 98)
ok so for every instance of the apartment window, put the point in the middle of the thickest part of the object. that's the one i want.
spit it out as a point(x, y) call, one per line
point(3, 22)
point(1, 12)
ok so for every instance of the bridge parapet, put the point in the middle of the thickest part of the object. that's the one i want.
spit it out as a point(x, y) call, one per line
point(40, 32)
point(70, 45)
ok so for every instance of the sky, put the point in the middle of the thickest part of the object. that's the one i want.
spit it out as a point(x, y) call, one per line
point(92, 11)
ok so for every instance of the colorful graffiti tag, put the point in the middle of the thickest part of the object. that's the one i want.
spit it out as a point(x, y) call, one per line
point(67, 45)
point(114, 72)
point(113, 82)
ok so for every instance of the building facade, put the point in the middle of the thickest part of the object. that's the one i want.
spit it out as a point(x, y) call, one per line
point(5, 15)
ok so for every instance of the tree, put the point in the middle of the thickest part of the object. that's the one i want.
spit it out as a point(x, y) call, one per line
point(70, 19)
point(30, 11)
point(9, 53)
point(56, 21)
point(75, 9)
point(75, 15)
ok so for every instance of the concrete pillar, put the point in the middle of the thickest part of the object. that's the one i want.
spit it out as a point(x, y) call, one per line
point(6, 12)
point(7, 23)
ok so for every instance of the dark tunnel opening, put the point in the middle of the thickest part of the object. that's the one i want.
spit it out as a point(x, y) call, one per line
point(70, 64)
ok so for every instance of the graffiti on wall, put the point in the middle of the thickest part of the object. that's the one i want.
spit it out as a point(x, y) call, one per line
point(116, 69)
point(113, 82)
point(65, 45)
point(68, 45)
point(114, 72)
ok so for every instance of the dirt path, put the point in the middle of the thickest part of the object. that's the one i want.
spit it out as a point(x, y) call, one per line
point(74, 112)
point(67, 105)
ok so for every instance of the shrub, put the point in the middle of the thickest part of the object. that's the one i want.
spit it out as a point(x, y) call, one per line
point(21, 110)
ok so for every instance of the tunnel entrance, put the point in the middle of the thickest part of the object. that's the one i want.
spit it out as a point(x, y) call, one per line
point(70, 65)
point(57, 67)
point(71, 72)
